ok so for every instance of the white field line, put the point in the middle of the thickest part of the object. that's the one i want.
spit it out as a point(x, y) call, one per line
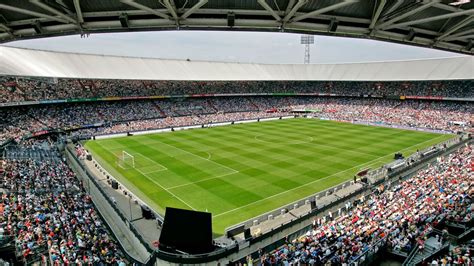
point(202, 180)
point(365, 167)
point(163, 168)
point(165, 189)
point(190, 153)
point(149, 172)
point(311, 142)
point(315, 181)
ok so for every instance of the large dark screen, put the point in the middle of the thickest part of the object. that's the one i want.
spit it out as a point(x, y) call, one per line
point(186, 231)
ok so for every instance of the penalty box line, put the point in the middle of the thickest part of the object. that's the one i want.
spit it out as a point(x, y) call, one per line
point(163, 168)
point(165, 189)
point(202, 180)
point(190, 153)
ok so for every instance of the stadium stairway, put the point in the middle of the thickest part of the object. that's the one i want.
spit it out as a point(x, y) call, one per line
point(254, 104)
point(209, 102)
point(417, 256)
point(34, 153)
point(162, 113)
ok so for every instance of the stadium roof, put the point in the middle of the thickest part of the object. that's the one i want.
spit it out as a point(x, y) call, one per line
point(27, 62)
point(440, 24)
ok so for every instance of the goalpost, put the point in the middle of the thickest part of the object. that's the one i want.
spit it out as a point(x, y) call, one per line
point(126, 160)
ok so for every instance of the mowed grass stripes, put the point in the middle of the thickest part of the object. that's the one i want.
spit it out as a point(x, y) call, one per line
point(238, 172)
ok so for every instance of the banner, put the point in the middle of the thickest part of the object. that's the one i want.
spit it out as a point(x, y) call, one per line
point(77, 100)
point(425, 97)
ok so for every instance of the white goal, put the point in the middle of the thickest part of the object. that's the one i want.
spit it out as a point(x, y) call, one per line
point(126, 160)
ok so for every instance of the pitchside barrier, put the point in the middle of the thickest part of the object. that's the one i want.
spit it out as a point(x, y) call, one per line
point(373, 177)
point(169, 129)
point(225, 252)
point(378, 175)
point(372, 252)
point(274, 214)
point(96, 191)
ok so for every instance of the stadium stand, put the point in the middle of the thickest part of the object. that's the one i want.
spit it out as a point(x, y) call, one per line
point(402, 216)
point(48, 213)
point(51, 217)
point(15, 89)
point(125, 116)
point(457, 255)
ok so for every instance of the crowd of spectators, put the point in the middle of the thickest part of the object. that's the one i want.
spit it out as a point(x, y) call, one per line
point(17, 89)
point(181, 121)
point(122, 116)
point(457, 255)
point(49, 215)
point(15, 123)
point(47, 211)
point(453, 116)
point(402, 215)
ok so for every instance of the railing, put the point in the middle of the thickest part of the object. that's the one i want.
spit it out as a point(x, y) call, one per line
point(380, 173)
point(6, 240)
point(36, 254)
point(469, 234)
point(225, 251)
point(277, 94)
point(321, 210)
point(299, 220)
point(196, 258)
point(411, 255)
point(292, 206)
point(416, 250)
point(368, 256)
point(75, 162)
point(169, 128)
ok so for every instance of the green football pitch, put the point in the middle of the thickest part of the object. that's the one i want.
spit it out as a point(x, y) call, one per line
point(239, 171)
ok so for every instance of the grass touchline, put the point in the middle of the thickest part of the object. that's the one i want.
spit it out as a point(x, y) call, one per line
point(241, 171)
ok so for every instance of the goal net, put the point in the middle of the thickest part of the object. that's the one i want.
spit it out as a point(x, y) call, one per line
point(126, 160)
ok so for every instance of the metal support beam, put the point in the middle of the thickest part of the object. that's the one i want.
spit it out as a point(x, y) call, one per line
point(459, 34)
point(32, 13)
point(376, 16)
point(404, 15)
point(324, 10)
point(145, 8)
point(463, 37)
point(53, 10)
point(77, 6)
point(394, 7)
point(424, 20)
point(294, 10)
point(447, 7)
point(171, 9)
point(290, 5)
point(269, 9)
point(456, 27)
point(194, 8)
point(7, 30)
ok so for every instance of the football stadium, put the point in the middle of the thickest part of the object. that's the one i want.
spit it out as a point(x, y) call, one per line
point(112, 159)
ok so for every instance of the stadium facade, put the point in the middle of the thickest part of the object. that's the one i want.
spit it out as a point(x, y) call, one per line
point(17, 62)
point(26, 62)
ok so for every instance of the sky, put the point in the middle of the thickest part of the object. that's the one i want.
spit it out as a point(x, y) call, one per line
point(243, 47)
